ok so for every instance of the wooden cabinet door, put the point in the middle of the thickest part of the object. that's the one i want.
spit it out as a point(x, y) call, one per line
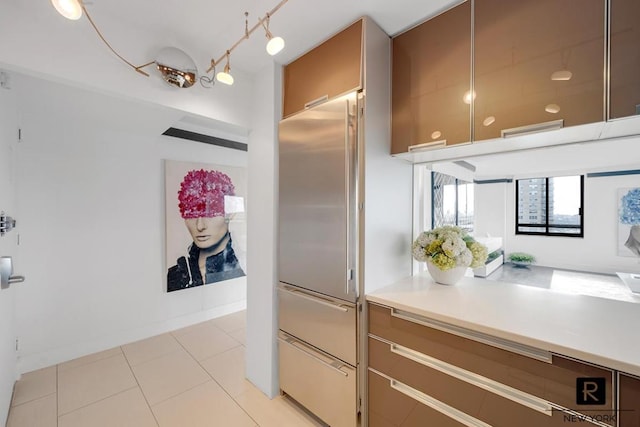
point(331, 69)
point(624, 77)
point(629, 406)
point(524, 51)
point(431, 74)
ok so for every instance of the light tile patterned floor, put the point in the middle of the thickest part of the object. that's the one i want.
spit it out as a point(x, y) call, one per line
point(192, 377)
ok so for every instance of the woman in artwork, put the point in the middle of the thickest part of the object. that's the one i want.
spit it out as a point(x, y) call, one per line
point(210, 257)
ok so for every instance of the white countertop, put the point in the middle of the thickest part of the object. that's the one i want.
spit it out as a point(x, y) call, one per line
point(597, 330)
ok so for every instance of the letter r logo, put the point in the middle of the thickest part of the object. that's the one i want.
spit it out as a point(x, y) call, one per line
point(591, 391)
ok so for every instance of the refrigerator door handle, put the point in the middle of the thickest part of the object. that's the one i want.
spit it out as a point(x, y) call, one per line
point(315, 299)
point(291, 342)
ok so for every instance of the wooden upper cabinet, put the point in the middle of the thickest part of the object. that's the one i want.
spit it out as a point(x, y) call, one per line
point(625, 59)
point(525, 50)
point(431, 74)
point(329, 70)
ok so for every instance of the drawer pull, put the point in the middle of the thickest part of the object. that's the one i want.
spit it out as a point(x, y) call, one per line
point(480, 381)
point(511, 346)
point(315, 299)
point(333, 366)
point(432, 403)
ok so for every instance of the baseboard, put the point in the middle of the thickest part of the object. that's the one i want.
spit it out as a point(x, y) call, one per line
point(31, 362)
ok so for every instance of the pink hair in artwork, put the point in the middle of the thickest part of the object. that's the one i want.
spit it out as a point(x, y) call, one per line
point(202, 193)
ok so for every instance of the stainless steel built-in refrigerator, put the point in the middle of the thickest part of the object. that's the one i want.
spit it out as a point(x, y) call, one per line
point(318, 252)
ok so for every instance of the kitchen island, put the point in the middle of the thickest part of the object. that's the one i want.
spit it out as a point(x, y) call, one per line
point(520, 350)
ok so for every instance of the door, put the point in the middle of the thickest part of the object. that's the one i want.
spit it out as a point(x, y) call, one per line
point(316, 199)
point(8, 245)
point(538, 64)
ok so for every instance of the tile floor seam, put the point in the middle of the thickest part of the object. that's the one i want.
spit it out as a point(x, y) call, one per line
point(144, 396)
point(32, 400)
point(153, 358)
point(224, 389)
point(99, 400)
point(182, 392)
point(87, 364)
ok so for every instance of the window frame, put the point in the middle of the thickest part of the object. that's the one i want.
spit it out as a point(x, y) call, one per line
point(546, 225)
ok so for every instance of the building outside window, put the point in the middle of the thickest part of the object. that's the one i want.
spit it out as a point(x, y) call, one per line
point(550, 206)
point(452, 202)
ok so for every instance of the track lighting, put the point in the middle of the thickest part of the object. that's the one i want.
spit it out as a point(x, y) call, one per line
point(73, 9)
point(70, 9)
point(180, 70)
point(225, 76)
point(275, 44)
point(176, 67)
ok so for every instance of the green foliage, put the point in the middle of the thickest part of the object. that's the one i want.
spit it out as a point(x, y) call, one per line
point(521, 257)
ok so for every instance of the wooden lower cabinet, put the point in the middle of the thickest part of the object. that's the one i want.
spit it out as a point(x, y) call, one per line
point(389, 408)
point(629, 400)
point(491, 386)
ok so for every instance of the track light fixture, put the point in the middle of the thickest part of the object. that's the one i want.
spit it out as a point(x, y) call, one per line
point(180, 70)
point(73, 9)
point(225, 76)
point(274, 45)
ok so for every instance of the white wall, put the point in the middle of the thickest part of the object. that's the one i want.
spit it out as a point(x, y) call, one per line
point(90, 200)
point(491, 209)
point(387, 181)
point(596, 252)
point(262, 325)
point(8, 247)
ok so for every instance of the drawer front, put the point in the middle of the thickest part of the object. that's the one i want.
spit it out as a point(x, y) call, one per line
point(326, 323)
point(481, 398)
point(322, 384)
point(629, 407)
point(389, 407)
point(554, 382)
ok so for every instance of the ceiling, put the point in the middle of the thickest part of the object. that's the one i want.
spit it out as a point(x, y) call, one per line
point(205, 29)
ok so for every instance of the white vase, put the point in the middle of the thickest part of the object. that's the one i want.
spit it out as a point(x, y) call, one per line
point(446, 277)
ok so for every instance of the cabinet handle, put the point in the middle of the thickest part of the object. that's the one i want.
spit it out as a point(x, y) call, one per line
point(291, 342)
point(317, 101)
point(511, 346)
point(534, 128)
point(432, 403)
point(317, 300)
point(474, 379)
point(427, 145)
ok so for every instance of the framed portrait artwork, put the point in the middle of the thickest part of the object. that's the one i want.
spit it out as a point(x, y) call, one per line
point(629, 222)
point(205, 223)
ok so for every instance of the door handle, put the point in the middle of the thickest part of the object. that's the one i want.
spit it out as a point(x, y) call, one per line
point(6, 273)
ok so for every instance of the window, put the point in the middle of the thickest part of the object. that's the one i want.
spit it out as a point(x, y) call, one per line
point(452, 201)
point(550, 206)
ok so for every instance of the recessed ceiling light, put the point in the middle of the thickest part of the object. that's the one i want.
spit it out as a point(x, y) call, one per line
point(436, 134)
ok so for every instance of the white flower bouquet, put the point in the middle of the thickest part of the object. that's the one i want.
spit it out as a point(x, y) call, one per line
point(448, 247)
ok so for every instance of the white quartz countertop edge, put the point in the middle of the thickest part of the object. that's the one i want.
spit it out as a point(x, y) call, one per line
point(596, 330)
